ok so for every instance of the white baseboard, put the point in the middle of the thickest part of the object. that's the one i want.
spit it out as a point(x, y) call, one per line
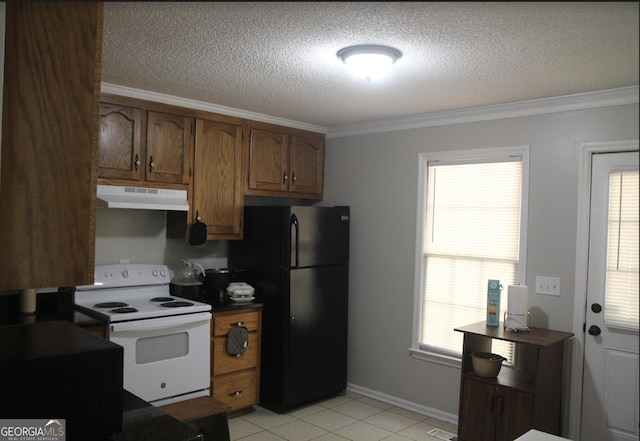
point(399, 402)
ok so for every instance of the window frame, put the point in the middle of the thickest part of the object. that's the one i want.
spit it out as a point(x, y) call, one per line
point(470, 156)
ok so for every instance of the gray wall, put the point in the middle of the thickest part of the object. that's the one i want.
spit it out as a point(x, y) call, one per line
point(377, 174)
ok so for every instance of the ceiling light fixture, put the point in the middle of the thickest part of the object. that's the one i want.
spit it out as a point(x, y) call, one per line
point(369, 60)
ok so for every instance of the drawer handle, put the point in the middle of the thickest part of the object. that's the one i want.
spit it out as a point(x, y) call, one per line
point(235, 394)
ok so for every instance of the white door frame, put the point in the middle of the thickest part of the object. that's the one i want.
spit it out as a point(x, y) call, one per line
point(582, 250)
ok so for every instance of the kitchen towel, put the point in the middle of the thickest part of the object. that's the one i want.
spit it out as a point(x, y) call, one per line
point(517, 307)
point(237, 341)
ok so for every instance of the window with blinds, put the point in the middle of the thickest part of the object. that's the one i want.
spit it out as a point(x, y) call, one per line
point(622, 271)
point(472, 231)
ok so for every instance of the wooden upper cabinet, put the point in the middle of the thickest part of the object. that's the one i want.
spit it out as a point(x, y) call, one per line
point(49, 149)
point(285, 162)
point(268, 161)
point(306, 164)
point(143, 143)
point(217, 181)
point(120, 143)
point(169, 148)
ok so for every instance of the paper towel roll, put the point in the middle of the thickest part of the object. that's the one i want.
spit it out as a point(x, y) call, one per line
point(517, 307)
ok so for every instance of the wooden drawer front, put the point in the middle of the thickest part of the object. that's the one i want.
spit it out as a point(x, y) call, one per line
point(236, 390)
point(224, 322)
point(224, 363)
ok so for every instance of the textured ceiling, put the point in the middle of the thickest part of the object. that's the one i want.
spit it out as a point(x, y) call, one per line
point(279, 58)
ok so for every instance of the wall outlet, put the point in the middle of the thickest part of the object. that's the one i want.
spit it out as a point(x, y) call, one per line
point(548, 285)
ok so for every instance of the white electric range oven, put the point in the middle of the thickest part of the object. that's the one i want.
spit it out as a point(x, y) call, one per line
point(166, 339)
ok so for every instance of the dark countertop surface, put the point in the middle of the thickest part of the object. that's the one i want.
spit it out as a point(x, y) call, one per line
point(141, 421)
point(227, 305)
point(49, 306)
point(59, 306)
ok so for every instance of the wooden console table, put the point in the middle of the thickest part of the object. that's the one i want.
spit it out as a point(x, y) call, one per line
point(523, 397)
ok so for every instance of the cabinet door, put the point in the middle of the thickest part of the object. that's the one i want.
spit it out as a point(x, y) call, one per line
point(306, 165)
point(268, 161)
point(477, 412)
point(223, 363)
point(120, 142)
point(238, 390)
point(169, 148)
point(49, 144)
point(515, 413)
point(493, 413)
point(217, 181)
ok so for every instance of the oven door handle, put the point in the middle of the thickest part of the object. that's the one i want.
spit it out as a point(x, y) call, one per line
point(160, 323)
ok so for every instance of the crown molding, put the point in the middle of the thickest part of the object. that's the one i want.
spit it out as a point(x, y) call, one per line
point(206, 107)
point(566, 103)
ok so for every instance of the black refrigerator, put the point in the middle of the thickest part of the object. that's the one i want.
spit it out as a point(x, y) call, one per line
point(297, 259)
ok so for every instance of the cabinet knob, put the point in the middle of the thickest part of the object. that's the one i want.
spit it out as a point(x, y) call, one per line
point(136, 162)
point(235, 394)
point(284, 177)
point(151, 164)
point(293, 177)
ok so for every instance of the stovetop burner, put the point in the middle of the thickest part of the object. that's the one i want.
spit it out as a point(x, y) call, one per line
point(110, 305)
point(124, 310)
point(176, 304)
point(127, 292)
point(161, 299)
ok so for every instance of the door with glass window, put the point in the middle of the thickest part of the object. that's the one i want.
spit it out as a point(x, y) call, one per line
point(610, 383)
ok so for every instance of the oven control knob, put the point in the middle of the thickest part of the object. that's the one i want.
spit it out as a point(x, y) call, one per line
point(155, 272)
point(125, 274)
point(163, 273)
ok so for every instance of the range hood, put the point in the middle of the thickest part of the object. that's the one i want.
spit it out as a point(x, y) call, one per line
point(142, 198)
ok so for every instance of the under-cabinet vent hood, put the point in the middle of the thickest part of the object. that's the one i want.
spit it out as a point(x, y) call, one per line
point(142, 198)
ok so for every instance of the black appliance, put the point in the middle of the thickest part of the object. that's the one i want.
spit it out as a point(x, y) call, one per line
point(297, 259)
point(56, 370)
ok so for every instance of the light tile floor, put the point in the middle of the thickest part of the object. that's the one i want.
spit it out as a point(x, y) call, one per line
point(350, 417)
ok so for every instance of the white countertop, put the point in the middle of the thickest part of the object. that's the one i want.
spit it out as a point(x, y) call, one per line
point(536, 435)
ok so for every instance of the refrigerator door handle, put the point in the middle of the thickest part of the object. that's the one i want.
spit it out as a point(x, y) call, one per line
point(294, 223)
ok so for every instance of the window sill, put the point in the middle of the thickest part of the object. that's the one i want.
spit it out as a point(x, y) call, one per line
point(445, 360)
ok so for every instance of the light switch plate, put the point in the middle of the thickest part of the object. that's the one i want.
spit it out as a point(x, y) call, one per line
point(548, 285)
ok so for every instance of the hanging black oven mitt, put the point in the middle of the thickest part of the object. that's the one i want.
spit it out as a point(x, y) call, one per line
point(197, 233)
point(237, 341)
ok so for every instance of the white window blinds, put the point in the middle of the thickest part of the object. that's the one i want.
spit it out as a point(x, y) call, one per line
point(621, 295)
point(471, 234)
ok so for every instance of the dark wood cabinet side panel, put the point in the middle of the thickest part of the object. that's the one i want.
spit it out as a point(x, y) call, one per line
point(49, 144)
point(548, 403)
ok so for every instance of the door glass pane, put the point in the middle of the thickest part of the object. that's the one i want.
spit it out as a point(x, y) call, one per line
point(621, 289)
point(162, 347)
